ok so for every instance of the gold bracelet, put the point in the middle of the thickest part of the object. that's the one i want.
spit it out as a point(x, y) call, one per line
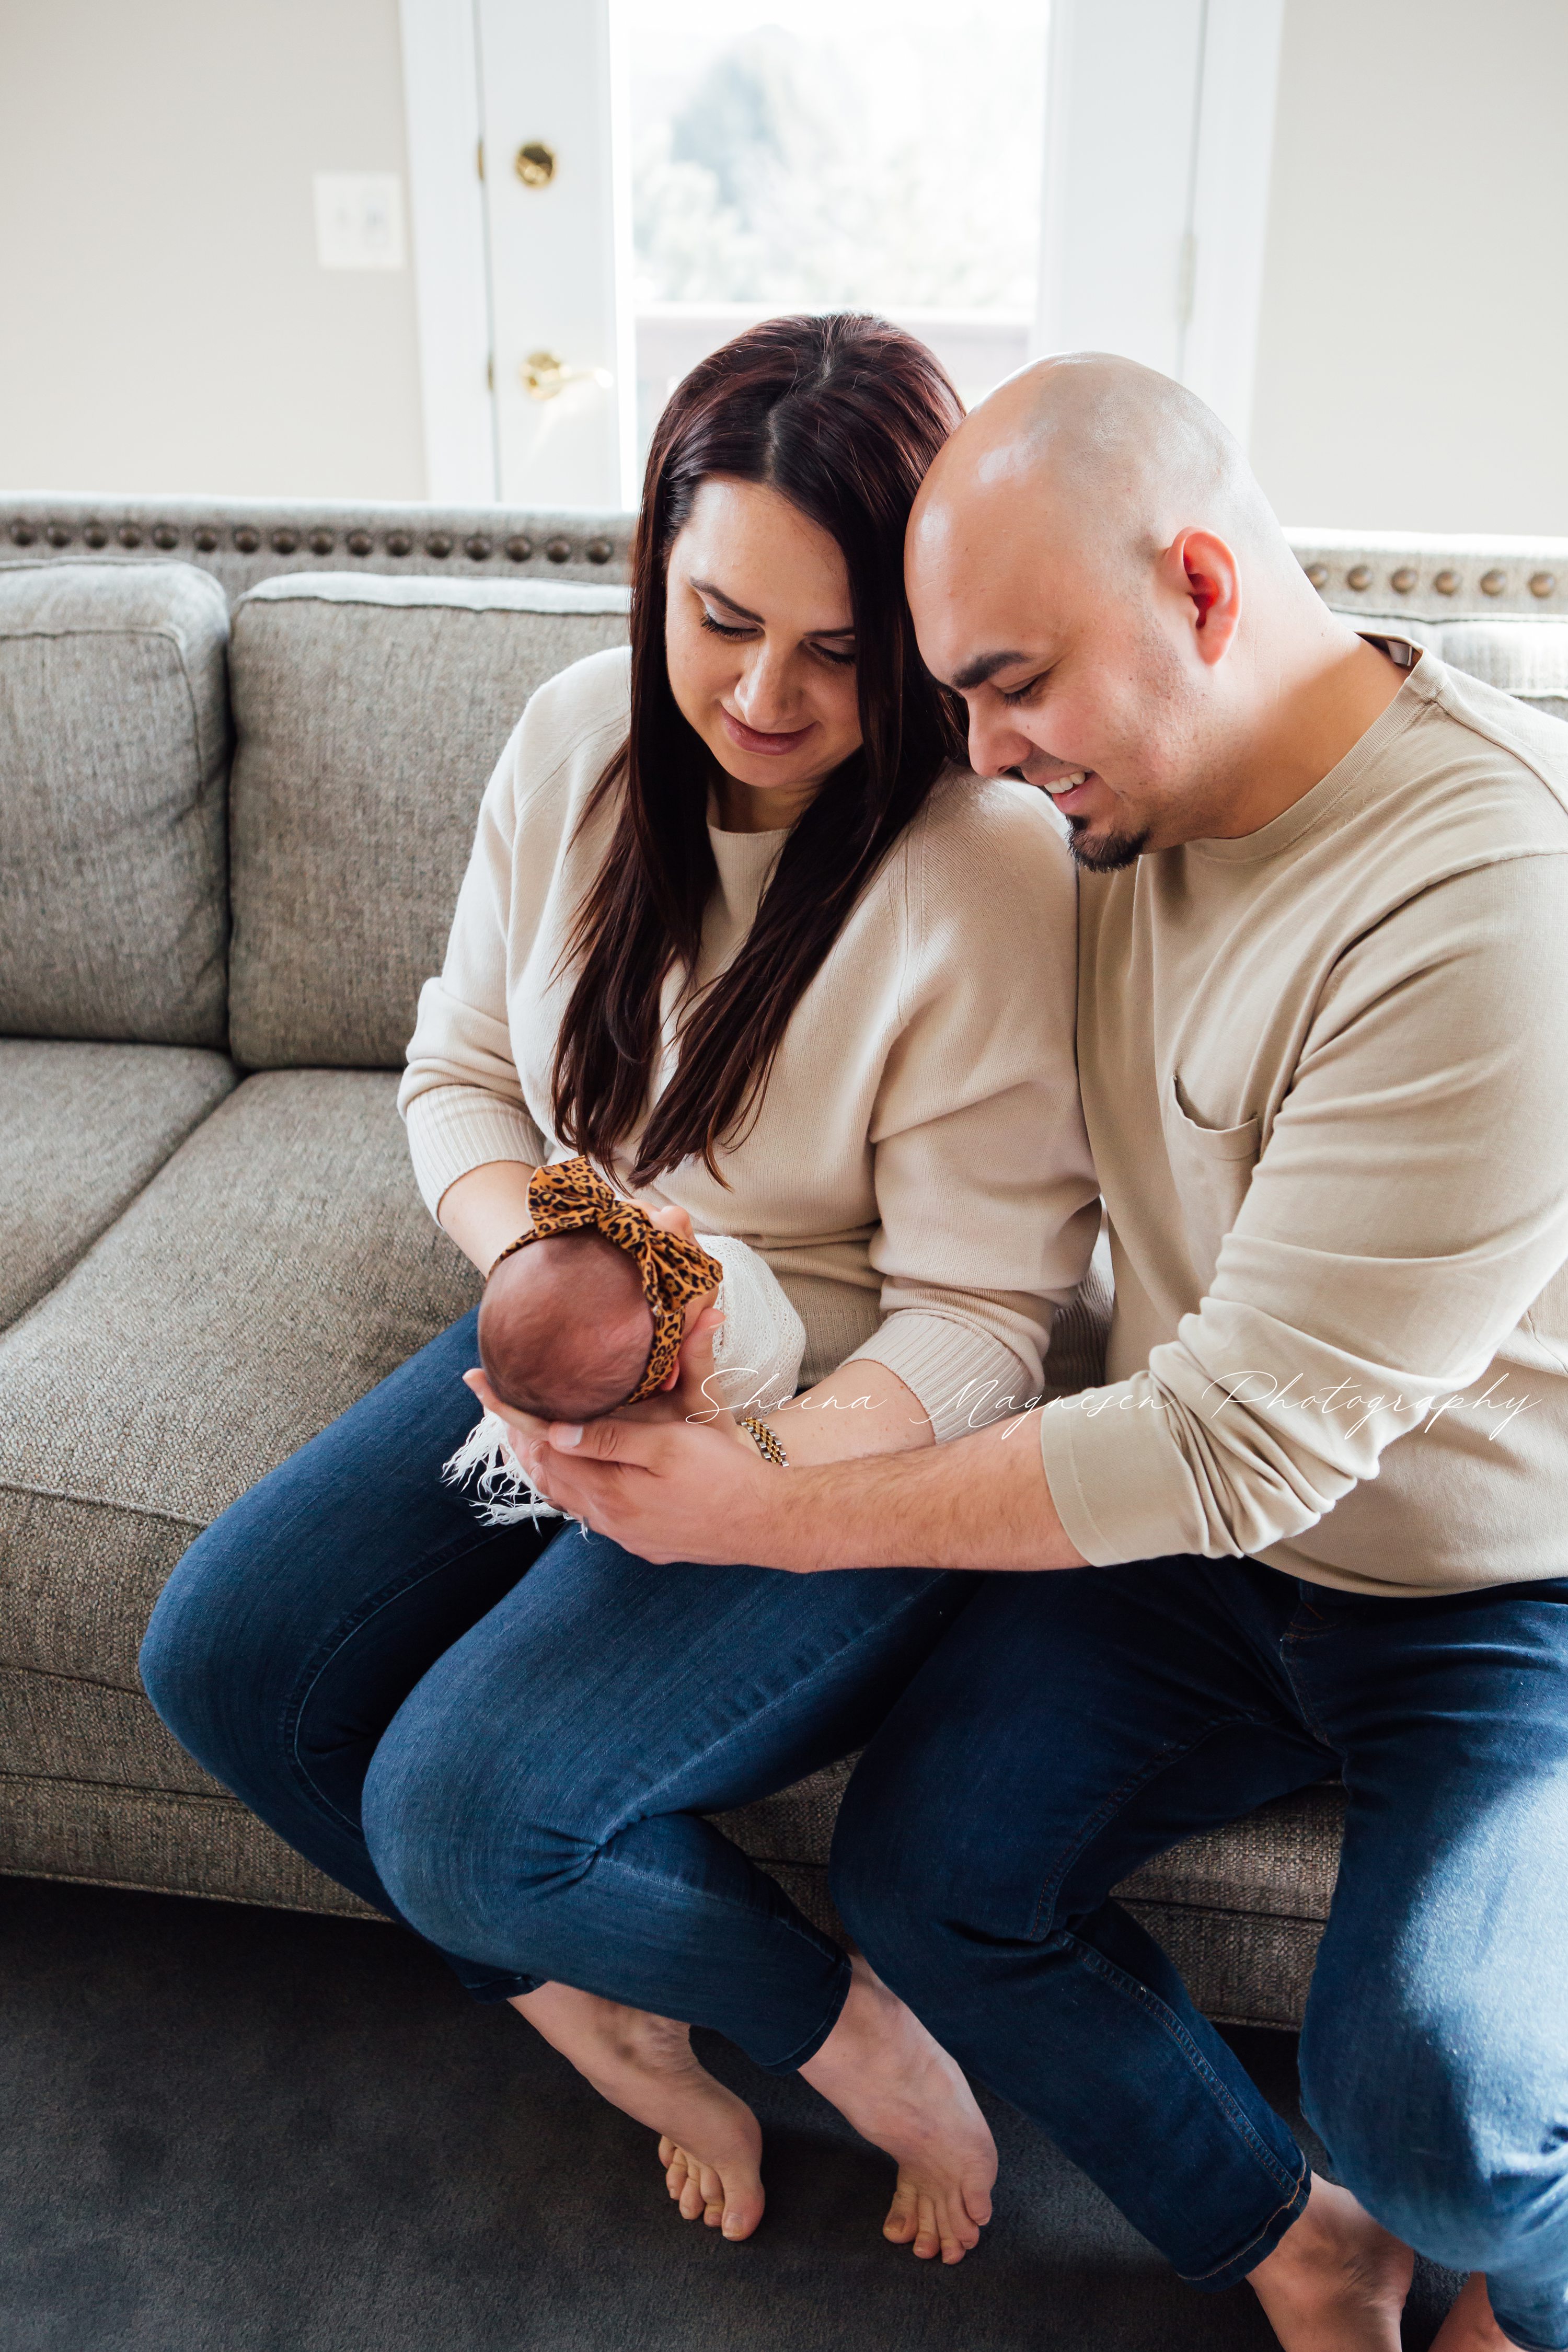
point(762, 1437)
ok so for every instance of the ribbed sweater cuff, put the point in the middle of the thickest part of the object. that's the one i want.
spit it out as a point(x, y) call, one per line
point(1121, 1487)
point(454, 1128)
point(962, 1378)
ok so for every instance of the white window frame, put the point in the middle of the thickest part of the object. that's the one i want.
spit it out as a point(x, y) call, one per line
point(1159, 146)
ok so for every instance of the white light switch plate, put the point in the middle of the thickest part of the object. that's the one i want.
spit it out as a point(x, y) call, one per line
point(359, 220)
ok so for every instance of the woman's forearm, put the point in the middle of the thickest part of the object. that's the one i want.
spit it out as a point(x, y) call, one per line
point(486, 1209)
point(862, 1409)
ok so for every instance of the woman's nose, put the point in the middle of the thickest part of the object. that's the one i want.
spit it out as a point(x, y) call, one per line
point(767, 692)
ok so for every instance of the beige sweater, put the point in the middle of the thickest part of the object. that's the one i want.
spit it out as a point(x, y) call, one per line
point(1325, 1074)
point(918, 1176)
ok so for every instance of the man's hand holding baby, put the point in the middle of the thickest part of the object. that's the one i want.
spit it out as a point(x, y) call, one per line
point(714, 1500)
point(685, 1390)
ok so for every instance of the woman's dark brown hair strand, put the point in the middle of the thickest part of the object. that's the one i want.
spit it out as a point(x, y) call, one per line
point(842, 415)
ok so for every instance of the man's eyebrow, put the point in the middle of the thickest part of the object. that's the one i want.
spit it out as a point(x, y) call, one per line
point(984, 666)
point(711, 588)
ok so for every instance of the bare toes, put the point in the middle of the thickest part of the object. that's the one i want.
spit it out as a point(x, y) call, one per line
point(902, 2220)
point(712, 2192)
point(741, 2215)
point(928, 2237)
point(958, 2236)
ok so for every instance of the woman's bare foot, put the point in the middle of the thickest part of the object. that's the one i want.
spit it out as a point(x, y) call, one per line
point(901, 2091)
point(1337, 2280)
point(1469, 2326)
point(711, 2143)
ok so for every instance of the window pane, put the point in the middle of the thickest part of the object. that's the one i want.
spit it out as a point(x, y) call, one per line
point(868, 154)
point(879, 154)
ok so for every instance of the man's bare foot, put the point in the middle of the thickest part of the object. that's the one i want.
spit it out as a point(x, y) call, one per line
point(1337, 2280)
point(901, 2091)
point(711, 2144)
point(1469, 2326)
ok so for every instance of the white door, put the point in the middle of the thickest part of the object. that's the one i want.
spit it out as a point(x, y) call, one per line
point(558, 236)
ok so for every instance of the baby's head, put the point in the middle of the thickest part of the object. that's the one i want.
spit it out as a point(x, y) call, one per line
point(564, 1329)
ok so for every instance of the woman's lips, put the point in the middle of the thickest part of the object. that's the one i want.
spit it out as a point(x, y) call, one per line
point(746, 739)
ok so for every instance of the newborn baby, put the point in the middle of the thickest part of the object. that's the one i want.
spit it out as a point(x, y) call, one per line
point(587, 1312)
point(565, 1330)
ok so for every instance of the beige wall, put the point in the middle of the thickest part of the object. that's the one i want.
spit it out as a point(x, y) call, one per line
point(1412, 361)
point(167, 325)
point(166, 328)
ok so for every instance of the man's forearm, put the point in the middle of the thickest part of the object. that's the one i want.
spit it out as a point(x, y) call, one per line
point(981, 1501)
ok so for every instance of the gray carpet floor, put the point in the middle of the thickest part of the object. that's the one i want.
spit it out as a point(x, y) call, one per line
point(230, 2130)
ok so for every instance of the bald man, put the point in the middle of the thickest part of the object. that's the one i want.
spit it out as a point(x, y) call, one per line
point(1319, 1509)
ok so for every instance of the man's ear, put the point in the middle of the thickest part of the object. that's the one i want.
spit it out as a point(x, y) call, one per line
point(1203, 569)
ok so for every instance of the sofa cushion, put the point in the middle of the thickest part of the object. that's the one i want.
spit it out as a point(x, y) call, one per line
point(114, 749)
point(276, 1267)
point(1523, 656)
point(1240, 1909)
point(369, 714)
point(1529, 658)
point(82, 1128)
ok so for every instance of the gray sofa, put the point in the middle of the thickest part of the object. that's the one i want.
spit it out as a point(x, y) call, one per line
point(230, 842)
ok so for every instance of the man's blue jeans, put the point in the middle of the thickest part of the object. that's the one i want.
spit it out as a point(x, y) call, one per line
point(1070, 1726)
point(508, 1738)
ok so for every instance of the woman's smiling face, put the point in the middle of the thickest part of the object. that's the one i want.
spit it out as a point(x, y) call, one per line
point(761, 648)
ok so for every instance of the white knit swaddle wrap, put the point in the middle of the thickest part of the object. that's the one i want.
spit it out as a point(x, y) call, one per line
point(757, 1353)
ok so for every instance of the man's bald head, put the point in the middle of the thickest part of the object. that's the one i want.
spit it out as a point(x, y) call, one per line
point(1074, 539)
point(1090, 459)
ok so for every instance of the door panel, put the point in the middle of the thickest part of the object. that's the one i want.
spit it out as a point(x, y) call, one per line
point(559, 240)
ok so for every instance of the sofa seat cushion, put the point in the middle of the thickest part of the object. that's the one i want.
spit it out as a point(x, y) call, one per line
point(369, 714)
point(82, 1128)
point(1240, 1909)
point(113, 759)
point(276, 1267)
point(1281, 1860)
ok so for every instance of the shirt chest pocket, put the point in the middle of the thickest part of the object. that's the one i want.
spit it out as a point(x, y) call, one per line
point(1212, 1168)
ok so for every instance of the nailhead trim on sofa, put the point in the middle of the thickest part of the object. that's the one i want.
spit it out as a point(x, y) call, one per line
point(1413, 576)
point(242, 543)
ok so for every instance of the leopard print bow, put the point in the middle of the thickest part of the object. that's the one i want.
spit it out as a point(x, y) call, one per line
point(570, 1196)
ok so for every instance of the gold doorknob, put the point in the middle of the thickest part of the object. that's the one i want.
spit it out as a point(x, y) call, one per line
point(535, 164)
point(544, 375)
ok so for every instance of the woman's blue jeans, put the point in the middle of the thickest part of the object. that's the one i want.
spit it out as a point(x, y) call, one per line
point(1070, 1726)
point(508, 1738)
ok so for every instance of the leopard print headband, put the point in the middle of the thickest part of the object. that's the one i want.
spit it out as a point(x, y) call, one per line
point(572, 1196)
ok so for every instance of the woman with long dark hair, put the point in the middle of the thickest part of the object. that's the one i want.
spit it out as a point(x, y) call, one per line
point(739, 928)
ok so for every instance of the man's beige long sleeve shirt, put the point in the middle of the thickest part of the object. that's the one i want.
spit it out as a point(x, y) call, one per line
point(1325, 1077)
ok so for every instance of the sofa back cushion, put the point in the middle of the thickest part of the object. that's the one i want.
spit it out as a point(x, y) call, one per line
point(113, 750)
point(369, 713)
point(1529, 658)
point(1526, 657)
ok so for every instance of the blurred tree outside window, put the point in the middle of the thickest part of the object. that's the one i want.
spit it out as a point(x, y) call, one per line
point(834, 155)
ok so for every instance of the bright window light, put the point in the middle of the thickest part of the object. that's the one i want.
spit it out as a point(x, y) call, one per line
point(839, 153)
